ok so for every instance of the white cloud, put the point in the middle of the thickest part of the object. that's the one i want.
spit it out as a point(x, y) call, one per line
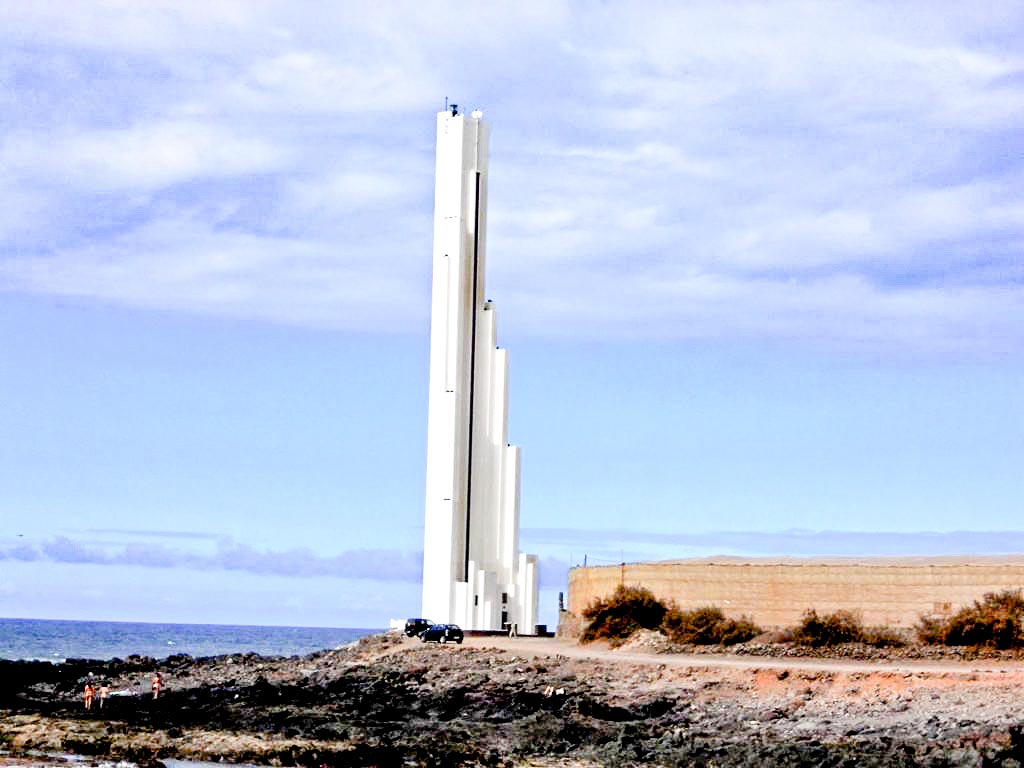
point(799, 543)
point(339, 192)
point(157, 27)
point(804, 171)
point(228, 555)
point(139, 157)
point(653, 154)
point(182, 264)
point(312, 82)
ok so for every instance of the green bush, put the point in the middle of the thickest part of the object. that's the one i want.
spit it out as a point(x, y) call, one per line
point(706, 626)
point(995, 621)
point(829, 629)
point(618, 616)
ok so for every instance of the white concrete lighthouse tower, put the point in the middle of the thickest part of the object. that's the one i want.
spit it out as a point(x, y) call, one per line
point(473, 573)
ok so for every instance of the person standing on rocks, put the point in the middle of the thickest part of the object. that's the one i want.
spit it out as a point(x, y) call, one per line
point(104, 692)
point(90, 692)
point(156, 684)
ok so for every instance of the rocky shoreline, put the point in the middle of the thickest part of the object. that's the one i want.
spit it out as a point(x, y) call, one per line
point(387, 701)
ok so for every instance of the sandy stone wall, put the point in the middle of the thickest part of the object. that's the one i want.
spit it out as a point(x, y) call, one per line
point(885, 591)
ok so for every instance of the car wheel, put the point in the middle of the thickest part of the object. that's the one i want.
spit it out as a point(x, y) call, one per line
point(444, 639)
point(459, 641)
point(423, 638)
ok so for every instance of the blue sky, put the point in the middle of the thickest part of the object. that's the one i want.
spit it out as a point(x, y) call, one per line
point(759, 268)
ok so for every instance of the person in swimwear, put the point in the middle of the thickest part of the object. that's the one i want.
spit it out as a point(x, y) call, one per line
point(156, 684)
point(88, 696)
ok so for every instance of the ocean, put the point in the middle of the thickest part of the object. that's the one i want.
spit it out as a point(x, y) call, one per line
point(58, 640)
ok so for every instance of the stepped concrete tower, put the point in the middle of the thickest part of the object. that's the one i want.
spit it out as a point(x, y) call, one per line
point(473, 573)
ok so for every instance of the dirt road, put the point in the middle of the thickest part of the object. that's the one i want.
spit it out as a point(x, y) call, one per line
point(532, 647)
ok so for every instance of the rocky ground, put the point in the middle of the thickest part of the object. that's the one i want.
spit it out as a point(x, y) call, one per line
point(656, 642)
point(395, 702)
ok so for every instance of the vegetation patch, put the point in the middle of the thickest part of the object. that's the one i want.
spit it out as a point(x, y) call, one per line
point(707, 626)
point(839, 627)
point(828, 629)
point(617, 617)
point(883, 637)
point(629, 609)
point(996, 621)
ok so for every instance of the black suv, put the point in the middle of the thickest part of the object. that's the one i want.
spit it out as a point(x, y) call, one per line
point(414, 626)
point(442, 633)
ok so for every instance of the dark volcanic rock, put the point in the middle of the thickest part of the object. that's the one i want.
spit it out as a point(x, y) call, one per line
point(388, 702)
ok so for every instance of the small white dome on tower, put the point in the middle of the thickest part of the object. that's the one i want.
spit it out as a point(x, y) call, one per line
point(477, 114)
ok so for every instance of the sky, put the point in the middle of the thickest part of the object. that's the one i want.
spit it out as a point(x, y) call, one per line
point(759, 267)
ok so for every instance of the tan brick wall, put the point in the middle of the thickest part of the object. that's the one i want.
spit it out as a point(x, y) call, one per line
point(775, 593)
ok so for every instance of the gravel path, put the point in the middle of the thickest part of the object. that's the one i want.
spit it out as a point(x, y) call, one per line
point(534, 647)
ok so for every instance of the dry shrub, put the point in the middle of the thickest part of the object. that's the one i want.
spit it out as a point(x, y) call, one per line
point(883, 637)
point(995, 621)
point(829, 629)
point(707, 626)
point(616, 617)
point(930, 630)
point(777, 635)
